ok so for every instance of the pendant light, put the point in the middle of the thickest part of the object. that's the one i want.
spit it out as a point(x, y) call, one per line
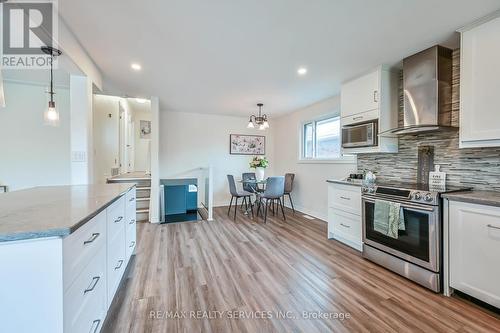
point(51, 115)
point(260, 120)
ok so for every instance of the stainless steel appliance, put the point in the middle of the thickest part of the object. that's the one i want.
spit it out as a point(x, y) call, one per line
point(427, 81)
point(417, 251)
point(360, 135)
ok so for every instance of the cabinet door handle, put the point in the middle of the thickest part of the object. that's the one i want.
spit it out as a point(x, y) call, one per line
point(96, 322)
point(132, 243)
point(92, 238)
point(358, 118)
point(345, 198)
point(375, 96)
point(119, 219)
point(345, 225)
point(493, 227)
point(120, 263)
point(132, 221)
point(95, 279)
point(131, 199)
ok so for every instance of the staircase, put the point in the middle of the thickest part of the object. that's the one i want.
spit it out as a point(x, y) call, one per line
point(143, 193)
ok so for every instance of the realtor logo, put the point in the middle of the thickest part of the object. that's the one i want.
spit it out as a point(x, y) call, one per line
point(26, 27)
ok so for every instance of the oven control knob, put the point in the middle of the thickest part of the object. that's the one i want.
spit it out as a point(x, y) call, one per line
point(364, 189)
point(371, 190)
point(428, 197)
point(417, 196)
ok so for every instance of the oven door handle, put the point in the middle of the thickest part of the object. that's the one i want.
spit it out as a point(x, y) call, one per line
point(406, 205)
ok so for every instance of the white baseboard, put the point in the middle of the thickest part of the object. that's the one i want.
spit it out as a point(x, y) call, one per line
point(318, 215)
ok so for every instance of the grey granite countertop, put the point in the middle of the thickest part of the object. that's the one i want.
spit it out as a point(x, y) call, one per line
point(489, 198)
point(53, 210)
point(345, 182)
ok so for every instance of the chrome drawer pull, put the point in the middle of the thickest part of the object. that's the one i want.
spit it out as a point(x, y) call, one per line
point(95, 279)
point(120, 263)
point(493, 227)
point(98, 322)
point(358, 118)
point(91, 239)
point(131, 199)
point(132, 221)
point(345, 198)
point(344, 225)
point(119, 219)
point(132, 243)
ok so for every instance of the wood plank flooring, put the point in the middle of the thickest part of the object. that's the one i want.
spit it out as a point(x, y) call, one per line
point(246, 268)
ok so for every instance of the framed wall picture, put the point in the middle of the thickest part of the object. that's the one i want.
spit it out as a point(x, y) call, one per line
point(240, 144)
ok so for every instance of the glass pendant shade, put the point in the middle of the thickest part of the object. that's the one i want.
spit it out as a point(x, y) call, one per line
point(51, 115)
point(250, 124)
point(266, 124)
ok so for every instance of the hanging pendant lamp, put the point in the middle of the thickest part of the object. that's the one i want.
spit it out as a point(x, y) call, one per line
point(51, 115)
point(260, 120)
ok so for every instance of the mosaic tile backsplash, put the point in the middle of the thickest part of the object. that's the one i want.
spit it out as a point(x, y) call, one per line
point(478, 168)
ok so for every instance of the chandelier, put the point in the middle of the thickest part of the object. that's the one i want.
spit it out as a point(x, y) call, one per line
point(260, 120)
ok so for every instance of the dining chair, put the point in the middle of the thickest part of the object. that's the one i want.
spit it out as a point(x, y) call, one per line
point(275, 189)
point(289, 178)
point(237, 194)
point(248, 176)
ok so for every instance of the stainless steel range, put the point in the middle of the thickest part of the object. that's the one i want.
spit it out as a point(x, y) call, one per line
point(416, 251)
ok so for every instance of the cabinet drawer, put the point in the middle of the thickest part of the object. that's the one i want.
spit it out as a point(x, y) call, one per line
point(347, 226)
point(130, 206)
point(474, 247)
point(130, 237)
point(81, 246)
point(116, 263)
point(345, 198)
point(116, 217)
point(85, 301)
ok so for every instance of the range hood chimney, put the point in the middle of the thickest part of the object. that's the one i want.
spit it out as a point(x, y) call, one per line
point(427, 91)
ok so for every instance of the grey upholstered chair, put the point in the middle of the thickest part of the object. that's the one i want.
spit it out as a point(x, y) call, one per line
point(289, 177)
point(275, 189)
point(237, 194)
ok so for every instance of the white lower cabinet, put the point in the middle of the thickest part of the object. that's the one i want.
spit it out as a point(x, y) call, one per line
point(474, 248)
point(344, 214)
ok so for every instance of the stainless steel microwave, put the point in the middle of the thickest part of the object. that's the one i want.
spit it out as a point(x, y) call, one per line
point(360, 135)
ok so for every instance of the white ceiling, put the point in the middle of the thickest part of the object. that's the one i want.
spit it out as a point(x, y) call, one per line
point(224, 56)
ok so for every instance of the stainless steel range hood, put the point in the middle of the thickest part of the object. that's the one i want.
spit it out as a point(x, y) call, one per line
point(427, 91)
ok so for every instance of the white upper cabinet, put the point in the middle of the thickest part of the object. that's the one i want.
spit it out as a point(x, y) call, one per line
point(480, 85)
point(360, 95)
point(372, 97)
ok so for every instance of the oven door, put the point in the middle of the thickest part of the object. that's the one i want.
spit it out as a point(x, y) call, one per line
point(418, 244)
point(362, 135)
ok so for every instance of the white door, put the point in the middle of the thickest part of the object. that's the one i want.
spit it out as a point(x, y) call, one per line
point(122, 137)
point(480, 84)
point(360, 95)
point(474, 250)
point(130, 144)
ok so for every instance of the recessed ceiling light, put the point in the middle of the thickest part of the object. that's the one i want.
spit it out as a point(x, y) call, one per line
point(302, 71)
point(140, 100)
point(135, 66)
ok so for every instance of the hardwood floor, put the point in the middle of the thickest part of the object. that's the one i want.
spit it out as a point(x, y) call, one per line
point(246, 268)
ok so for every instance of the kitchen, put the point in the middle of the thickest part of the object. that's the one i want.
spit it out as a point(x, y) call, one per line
point(424, 203)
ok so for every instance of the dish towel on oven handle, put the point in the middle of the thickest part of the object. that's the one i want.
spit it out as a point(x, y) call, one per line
point(388, 218)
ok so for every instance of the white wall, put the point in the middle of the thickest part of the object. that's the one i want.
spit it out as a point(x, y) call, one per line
point(189, 141)
point(31, 153)
point(106, 136)
point(310, 191)
point(141, 152)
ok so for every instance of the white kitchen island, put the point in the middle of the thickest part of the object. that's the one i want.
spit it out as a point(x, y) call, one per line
point(63, 252)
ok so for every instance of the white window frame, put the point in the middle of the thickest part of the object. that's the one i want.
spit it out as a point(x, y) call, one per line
point(347, 159)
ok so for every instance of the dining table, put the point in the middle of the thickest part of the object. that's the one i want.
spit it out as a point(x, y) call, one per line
point(257, 187)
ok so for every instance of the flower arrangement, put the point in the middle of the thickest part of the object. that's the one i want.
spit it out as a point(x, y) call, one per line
point(259, 162)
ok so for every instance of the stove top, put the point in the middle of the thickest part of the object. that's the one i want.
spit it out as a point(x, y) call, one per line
point(414, 192)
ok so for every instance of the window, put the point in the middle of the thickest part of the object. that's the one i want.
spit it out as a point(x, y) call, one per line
point(321, 139)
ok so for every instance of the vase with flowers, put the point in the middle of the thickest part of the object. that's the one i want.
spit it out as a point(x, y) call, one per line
point(259, 164)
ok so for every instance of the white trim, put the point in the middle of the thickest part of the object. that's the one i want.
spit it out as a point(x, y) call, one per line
point(479, 22)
